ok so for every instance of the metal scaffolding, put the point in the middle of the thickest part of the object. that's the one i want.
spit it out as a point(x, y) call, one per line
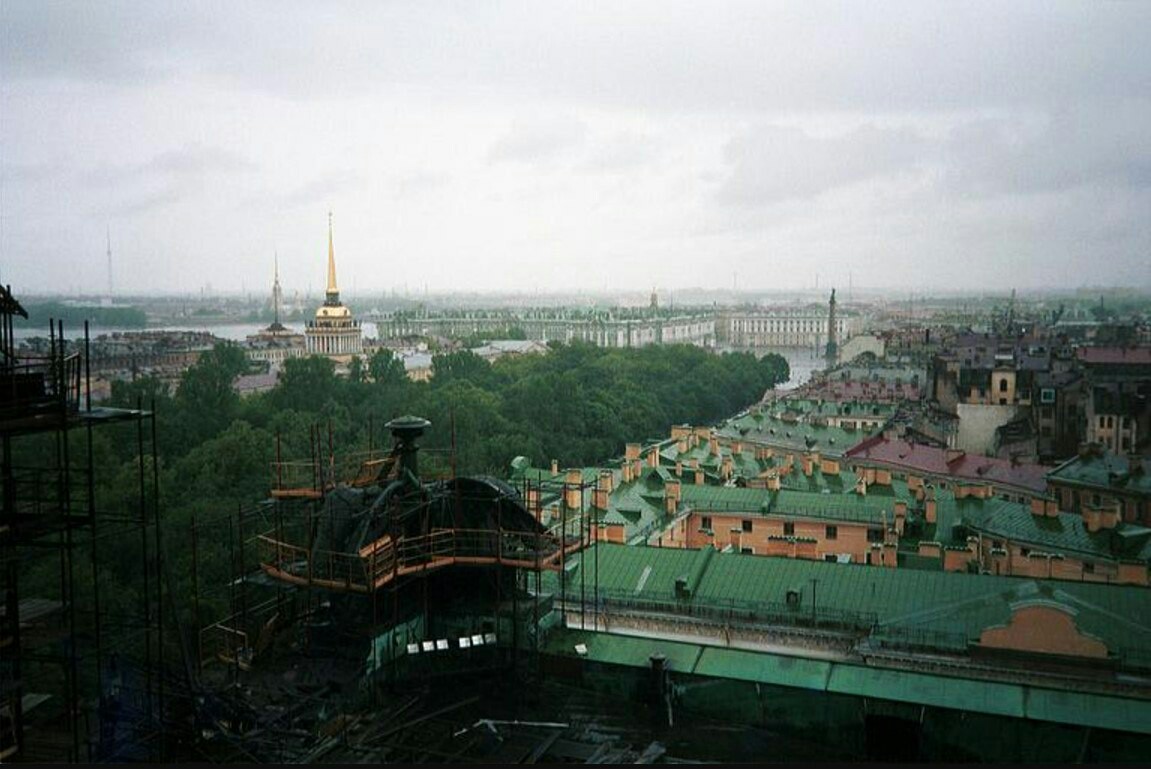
point(82, 676)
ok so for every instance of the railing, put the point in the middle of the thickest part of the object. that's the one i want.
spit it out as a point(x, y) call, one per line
point(919, 639)
point(726, 611)
point(35, 385)
point(380, 562)
point(228, 640)
point(40, 491)
point(297, 479)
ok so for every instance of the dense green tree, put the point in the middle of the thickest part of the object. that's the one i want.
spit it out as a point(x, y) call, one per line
point(305, 383)
point(206, 397)
point(579, 404)
point(356, 369)
point(460, 365)
point(385, 368)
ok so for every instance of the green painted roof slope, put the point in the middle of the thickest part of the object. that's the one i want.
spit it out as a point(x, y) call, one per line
point(962, 605)
point(1107, 471)
point(1063, 533)
point(992, 697)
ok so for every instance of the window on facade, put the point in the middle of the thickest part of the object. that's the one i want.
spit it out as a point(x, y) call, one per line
point(830, 558)
point(831, 532)
point(747, 527)
point(875, 535)
point(747, 551)
point(1002, 385)
point(1025, 551)
point(705, 522)
point(1088, 568)
point(788, 529)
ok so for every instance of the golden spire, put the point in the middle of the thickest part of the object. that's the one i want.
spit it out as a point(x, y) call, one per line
point(331, 260)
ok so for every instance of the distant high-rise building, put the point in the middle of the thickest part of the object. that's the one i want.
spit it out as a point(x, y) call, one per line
point(334, 332)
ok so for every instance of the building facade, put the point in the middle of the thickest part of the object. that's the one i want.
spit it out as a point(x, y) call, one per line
point(334, 333)
point(784, 327)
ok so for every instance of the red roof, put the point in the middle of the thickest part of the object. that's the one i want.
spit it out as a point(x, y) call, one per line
point(1120, 355)
point(928, 460)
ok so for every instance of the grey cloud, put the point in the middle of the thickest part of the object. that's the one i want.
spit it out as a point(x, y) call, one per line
point(32, 173)
point(322, 189)
point(538, 140)
point(1074, 148)
point(772, 163)
point(1022, 154)
point(1026, 129)
point(183, 162)
point(420, 182)
point(621, 152)
point(143, 203)
point(740, 55)
point(114, 41)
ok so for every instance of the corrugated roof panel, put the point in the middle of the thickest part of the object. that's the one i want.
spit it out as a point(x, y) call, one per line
point(906, 599)
point(774, 669)
point(1085, 709)
point(938, 691)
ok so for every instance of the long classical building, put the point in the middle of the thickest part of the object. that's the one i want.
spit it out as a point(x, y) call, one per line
point(601, 329)
point(751, 328)
point(334, 332)
point(804, 327)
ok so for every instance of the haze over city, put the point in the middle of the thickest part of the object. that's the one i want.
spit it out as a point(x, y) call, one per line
point(561, 146)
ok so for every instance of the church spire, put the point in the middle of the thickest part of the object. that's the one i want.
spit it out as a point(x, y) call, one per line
point(333, 292)
point(277, 294)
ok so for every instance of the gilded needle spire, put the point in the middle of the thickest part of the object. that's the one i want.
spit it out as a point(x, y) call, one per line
point(331, 260)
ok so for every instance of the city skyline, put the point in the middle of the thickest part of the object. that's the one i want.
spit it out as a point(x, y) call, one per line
point(551, 149)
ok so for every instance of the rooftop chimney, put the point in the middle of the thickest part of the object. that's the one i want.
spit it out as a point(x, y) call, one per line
point(406, 430)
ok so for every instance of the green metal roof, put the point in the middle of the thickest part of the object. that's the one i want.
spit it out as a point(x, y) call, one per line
point(853, 679)
point(644, 571)
point(992, 697)
point(850, 507)
point(725, 498)
point(766, 430)
point(1061, 533)
point(833, 407)
point(1109, 472)
point(854, 508)
point(625, 650)
point(902, 600)
point(777, 669)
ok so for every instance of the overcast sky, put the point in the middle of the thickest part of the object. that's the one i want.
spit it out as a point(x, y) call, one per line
point(547, 145)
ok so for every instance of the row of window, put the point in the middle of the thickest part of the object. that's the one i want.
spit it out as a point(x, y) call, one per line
point(1108, 422)
point(829, 532)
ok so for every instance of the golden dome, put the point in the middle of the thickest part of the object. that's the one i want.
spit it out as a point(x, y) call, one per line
point(329, 312)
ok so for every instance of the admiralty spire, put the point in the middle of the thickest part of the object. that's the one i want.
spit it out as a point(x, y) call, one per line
point(334, 332)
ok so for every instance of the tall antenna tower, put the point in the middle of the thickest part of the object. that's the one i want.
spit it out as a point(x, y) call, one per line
point(109, 261)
